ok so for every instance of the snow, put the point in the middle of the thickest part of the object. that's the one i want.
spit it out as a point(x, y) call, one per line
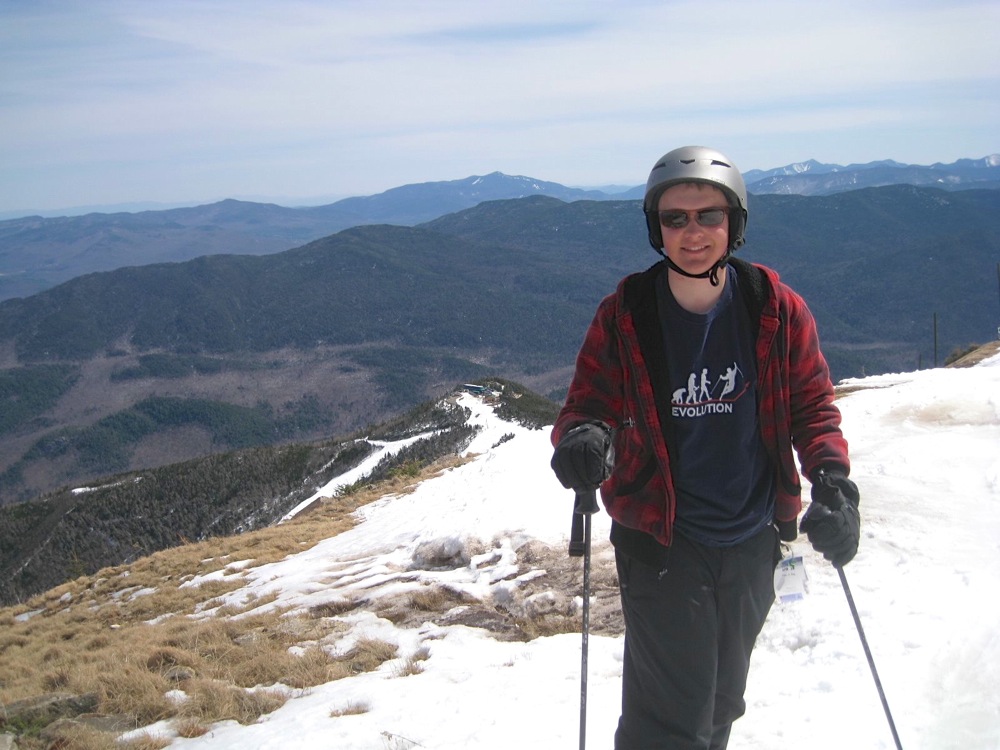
point(350, 477)
point(925, 451)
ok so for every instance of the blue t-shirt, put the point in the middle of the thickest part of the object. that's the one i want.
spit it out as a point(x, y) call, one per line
point(721, 470)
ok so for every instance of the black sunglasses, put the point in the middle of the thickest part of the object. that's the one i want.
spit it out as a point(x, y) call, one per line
point(675, 218)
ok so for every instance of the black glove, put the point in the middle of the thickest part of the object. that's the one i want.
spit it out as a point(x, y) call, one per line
point(584, 457)
point(832, 522)
point(787, 530)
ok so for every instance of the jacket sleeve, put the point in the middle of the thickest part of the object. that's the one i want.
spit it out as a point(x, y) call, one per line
point(595, 393)
point(815, 418)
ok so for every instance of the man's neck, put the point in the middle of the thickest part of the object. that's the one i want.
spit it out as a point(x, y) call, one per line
point(696, 295)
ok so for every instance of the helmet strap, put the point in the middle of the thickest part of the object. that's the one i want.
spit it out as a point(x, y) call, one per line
point(712, 274)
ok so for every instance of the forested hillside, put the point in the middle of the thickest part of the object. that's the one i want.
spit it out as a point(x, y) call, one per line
point(143, 366)
point(122, 517)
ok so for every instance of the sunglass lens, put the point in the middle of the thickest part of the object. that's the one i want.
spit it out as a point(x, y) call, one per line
point(674, 219)
point(707, 217)
point(711, 217)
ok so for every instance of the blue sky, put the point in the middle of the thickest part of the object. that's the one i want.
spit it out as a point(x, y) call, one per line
point(108, 102)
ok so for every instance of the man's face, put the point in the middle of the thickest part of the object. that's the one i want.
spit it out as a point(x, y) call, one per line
point(694, 247)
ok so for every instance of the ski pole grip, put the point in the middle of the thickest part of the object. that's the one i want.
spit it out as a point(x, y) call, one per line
point(585, 505)
point(586, 502)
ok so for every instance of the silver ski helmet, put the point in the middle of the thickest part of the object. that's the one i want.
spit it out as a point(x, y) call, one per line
point(696, 164)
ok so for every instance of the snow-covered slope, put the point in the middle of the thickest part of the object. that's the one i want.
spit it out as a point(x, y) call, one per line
point(924, 447)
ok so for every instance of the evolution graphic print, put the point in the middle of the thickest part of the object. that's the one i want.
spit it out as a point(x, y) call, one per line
point(705, 394)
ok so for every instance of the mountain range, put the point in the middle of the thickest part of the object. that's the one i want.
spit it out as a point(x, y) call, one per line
point(169, 357)
point(37, 253)
point(148, 365)
point(815, 178)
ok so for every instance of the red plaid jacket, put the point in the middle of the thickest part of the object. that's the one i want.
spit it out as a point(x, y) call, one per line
point(620, 380)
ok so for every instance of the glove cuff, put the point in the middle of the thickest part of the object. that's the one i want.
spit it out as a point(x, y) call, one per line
point(830, 471)
point(831, 487)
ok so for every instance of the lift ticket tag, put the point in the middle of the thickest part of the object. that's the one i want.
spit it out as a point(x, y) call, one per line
point(790, 580)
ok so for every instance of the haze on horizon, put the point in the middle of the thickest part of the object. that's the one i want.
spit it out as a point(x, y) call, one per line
point(111, 102)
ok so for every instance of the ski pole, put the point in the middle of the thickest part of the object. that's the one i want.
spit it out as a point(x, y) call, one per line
point(868, 653)
point(585, 506)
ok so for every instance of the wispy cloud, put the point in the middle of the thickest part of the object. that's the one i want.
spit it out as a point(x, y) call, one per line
point(111, 101)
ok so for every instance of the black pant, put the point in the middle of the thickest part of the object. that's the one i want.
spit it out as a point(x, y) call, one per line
point(689, 632)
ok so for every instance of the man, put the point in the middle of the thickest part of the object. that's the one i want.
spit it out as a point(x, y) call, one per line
point(694, 382)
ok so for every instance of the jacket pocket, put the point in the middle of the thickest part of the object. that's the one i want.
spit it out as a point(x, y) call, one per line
point(640, 479)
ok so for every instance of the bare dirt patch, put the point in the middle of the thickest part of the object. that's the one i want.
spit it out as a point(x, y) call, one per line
point(977, 355)
point(547, 599)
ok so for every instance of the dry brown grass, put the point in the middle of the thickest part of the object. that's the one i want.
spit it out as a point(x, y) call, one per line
point(73, 736)
point(127, 634)
point(129, 689)
point(368, 655)
point(977, 355)
point(209, 701)
point(85, 738)
point(435, 599)
point(351, 709)
point(414, 664)
point(336, 608)
point(190, 727)
point(548, 625)
point(141, 743)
